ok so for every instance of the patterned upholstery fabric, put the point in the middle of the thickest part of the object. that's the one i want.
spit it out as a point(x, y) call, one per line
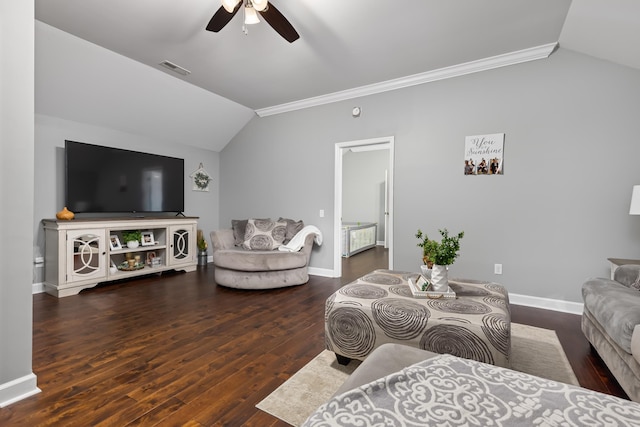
point(451, 391)
point(264, 234)
point(379, 308)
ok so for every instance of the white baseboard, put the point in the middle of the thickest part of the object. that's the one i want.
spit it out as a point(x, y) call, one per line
point(18, 389)
point(546, 303)
point(37, 288)
point(323, 272)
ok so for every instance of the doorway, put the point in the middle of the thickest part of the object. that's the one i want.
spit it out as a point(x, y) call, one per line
point(386, 220)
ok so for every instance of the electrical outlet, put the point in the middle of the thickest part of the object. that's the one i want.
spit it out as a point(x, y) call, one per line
point(321, 213)
point(497, 269)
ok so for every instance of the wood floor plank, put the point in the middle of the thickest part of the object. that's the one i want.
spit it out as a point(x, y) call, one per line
point(179, 350)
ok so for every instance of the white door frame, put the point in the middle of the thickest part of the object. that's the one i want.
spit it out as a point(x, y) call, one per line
point(385, 142)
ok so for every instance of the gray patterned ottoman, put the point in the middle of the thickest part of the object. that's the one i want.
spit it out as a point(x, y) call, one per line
point(379, 308)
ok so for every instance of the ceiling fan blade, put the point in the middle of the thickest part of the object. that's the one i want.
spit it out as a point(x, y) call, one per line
point(280, 23)
point(222, 18)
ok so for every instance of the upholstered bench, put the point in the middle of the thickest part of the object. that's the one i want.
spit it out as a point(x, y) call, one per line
point(379, 308)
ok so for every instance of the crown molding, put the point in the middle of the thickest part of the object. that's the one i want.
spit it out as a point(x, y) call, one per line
point(504, 60)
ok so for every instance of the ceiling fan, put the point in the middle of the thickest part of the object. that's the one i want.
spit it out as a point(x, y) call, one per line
point(251, 9)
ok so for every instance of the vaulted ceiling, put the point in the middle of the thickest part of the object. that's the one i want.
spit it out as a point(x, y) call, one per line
point(343, 45)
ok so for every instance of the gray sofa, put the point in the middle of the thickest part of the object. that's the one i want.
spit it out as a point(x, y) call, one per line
point(241, 268)
point(400, 385)
point(611, 323)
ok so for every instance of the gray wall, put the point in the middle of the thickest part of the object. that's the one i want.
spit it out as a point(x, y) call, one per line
point(558, 212)
point(50, 135)
point(363, 187)
point(99, 97)
point(16, 193)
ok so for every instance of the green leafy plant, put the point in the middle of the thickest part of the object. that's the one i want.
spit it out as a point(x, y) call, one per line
point(131, 236)
point(441, 253)
point(428, 247)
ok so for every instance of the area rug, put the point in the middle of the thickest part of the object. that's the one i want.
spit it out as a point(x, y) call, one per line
point(534, 350)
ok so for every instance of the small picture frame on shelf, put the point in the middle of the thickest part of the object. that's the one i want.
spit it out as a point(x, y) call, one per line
point(147, 238)
point(114, 242)
point(150, 256)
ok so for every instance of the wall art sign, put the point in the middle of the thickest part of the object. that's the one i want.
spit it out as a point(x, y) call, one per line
point(201, 179)
point(484, 154)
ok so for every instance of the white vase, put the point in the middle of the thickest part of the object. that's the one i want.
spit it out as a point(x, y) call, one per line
point(133, 244)
point(426, 272)
point(439, 278)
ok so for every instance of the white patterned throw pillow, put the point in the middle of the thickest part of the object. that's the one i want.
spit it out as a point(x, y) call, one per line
point(264, 234)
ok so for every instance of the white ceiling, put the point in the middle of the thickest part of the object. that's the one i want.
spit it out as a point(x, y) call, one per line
point(343, 44)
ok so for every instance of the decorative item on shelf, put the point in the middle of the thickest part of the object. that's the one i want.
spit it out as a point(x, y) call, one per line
point(442, 254)
point(65, 214)
point(130, 265)
point(201, 179)
point(150, 256)
point(132, 238)
point(114, 242)
point(147, 238)
point(202, 249)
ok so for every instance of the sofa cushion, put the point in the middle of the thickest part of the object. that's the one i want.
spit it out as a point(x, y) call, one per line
point(251, 260)
point(628, 275)
point(239, 226)
point(264, 234)
point(615, 307)
point(293, 228)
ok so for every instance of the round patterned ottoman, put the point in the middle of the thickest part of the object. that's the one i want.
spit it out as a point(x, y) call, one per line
point(379, 308)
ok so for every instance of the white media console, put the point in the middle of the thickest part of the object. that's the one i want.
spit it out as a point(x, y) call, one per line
point(79, 253)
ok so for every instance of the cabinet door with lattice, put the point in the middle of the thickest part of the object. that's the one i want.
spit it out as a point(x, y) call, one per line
point(86, 255)
point(183, 244)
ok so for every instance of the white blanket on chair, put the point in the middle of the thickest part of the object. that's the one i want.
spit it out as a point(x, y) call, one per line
point(297, 242)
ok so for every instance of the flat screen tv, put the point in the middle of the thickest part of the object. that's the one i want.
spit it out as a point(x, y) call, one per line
point(112, 180)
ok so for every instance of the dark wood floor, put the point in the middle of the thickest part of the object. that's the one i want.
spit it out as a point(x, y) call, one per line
point(179, 350)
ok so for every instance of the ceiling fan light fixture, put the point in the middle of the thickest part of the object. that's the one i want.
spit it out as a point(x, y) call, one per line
point(229, 5)
point(260, 5)
point(250, 16)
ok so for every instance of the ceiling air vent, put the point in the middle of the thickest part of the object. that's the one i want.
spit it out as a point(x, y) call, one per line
point(175, 68)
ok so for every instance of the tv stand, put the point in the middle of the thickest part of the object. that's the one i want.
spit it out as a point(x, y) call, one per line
point(82, 253)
